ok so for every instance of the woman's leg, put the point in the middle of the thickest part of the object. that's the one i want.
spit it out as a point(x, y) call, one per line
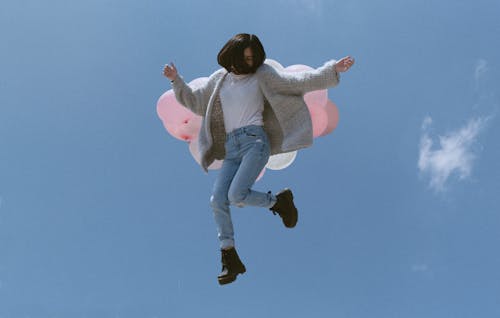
point(220, 203)
point(254, 152)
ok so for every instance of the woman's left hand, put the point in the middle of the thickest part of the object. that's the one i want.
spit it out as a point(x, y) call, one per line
point(344, 64)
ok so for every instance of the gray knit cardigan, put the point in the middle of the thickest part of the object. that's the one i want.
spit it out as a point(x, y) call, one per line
point(287, 121)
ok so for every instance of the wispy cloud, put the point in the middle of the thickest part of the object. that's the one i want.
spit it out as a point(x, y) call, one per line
point(453, 156)
point(480, 69)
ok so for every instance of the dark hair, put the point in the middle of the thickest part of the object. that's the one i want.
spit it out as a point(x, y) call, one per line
point(231, 55)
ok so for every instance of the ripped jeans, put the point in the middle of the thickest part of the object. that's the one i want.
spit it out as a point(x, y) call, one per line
point(247, 153)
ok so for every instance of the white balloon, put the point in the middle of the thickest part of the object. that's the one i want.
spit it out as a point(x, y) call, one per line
point(274, 64)
point(193, 149)
point(281, 161)
point(198, 82)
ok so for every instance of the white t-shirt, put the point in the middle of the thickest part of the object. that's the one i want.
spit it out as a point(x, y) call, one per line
point(242, 101)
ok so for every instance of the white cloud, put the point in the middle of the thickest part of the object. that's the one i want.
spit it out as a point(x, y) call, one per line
point(454, 155)
point(481, 69)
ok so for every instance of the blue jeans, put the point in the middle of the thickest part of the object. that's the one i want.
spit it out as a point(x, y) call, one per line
point(247, 153)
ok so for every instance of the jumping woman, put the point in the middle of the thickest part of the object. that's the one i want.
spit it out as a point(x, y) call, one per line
point(250, 111)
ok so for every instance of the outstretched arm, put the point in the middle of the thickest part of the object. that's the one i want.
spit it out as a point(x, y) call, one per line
point(306, 81)
point(194, 99)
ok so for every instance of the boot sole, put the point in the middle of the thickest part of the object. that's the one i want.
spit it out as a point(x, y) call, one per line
point(228, 279)
point(295, 214)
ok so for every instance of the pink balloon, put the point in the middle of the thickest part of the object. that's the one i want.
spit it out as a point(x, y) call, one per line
point(314, 98)
point(315, 101)
point(319, 120)
point(179, 121)
point(261, 174)
point(332, 113)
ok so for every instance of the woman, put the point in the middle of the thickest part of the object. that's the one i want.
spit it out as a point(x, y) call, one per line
point(250, 111)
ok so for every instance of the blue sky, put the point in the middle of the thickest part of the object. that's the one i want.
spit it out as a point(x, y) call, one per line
point(104, 214)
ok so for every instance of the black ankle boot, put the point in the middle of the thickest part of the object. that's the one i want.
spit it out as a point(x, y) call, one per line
point(285, 208)
point(231, 266)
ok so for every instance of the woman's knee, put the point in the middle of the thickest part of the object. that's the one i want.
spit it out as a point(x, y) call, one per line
point(218, 202)
point(237, 196)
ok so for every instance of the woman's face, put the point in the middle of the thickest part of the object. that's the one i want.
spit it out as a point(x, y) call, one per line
point(248, 56)
point(248, 60)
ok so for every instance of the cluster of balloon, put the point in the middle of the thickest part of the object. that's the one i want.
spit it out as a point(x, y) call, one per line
point(185, 125)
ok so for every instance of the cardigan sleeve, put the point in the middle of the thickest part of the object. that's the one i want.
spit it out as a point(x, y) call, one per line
point(301, 82)
point(196, 99)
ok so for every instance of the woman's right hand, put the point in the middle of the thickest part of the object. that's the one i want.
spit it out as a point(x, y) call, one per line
point(170, 71)
point(344, 64)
